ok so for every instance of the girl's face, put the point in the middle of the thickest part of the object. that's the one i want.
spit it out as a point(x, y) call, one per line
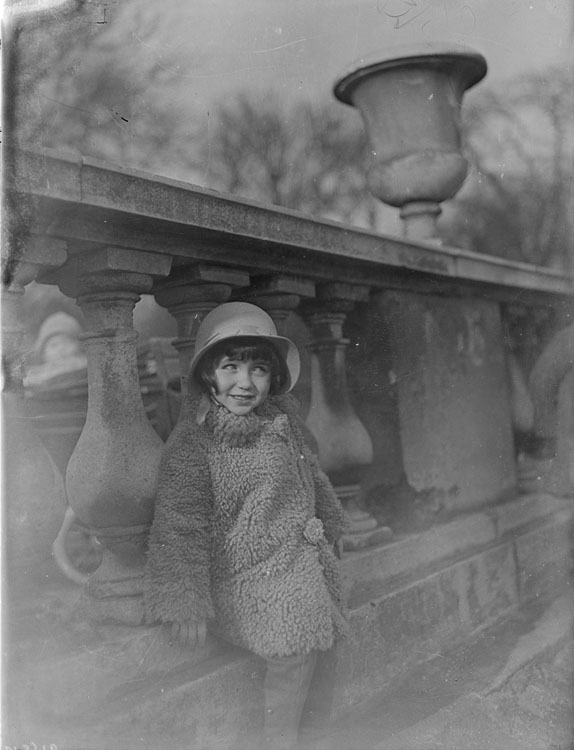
point(241, 385)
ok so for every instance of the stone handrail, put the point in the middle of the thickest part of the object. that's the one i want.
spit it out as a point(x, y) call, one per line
point(83, 200)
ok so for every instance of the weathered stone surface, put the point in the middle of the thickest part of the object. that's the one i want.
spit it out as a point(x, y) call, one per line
point(98, 202)
point(452, 396)
point(368, 573)
point(34, 501)
point(461, 577)
point(489, 584)
point(402, 628)
point(509, 517)
point(544, 557)
point(97, 665)
point(283, 284)
point(223, 702)
point(388, 636)
point(369, 538)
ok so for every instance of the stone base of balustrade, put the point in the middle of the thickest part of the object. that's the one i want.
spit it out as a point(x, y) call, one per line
point(117, 601)
point(552, 474)
point(113, 593)
point(418, 595)
point(121, 610)
point(363, 539)
point(533, 473)
point(363, 529)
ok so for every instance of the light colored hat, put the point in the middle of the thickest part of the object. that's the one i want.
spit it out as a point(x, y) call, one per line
point(233, 319)
point(57, 323)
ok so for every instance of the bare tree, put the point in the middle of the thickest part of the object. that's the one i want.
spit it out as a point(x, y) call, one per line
point(94, 80)
point(297, 155)
point(518, 200)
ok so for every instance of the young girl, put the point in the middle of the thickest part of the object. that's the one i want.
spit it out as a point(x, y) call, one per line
point(245, 520)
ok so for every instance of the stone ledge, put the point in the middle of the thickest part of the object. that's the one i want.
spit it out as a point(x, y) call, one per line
point(410, 625)
point(374, 571)
point(527, 704)
point(223, 700)
point(527, 509)
point(545, 558)
point(551, 630)
point(55, 683)
point(390, 634)
point(221, 696)
point(103, 203)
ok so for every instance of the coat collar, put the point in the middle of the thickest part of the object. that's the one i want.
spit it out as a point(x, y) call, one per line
point(235, 430)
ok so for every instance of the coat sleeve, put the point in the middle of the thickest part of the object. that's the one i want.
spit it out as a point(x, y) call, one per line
point(177, 580)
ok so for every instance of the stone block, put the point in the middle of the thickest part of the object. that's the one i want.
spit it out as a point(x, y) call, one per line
point(512, 516)
point(391, 634)
point(431, 592)
point(116, 259)
point(140, 686)
point(489, 582)
point(450, 373)
point(189, 277)
point(544, 557)
point(71, 683)
point(284, 284)
point(368, 573)
point(210, 707)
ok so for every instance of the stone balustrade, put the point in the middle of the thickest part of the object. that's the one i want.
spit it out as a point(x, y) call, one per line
point(430, 345)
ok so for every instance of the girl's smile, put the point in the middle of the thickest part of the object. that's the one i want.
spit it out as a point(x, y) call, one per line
point(242, 385)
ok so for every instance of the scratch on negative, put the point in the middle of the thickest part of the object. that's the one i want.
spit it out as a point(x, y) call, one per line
point(281, 46)
point(486, 39)
point(194, 77)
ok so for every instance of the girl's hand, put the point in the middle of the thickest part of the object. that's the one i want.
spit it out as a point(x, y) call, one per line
point(190, 633)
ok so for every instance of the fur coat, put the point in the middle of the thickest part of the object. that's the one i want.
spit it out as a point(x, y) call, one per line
point(243, 534)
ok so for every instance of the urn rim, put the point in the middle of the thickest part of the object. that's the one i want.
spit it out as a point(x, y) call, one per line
point(469, 64)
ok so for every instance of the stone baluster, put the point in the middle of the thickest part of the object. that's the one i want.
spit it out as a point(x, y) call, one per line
point(39, 255)
point(345, 448)
point(552, 387)
point(527, 329)
point(279, 296)
point(112, 473)
point(34, 494)
point(542, 336)
point(189, 294)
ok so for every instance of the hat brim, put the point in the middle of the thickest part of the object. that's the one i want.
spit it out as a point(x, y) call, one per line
point(287, 351)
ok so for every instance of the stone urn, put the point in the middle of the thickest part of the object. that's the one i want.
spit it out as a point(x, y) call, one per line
point(410, 101)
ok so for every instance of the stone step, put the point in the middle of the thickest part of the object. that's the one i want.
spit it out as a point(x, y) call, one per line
point(493, 670)
point(410, 600)
point(373, 571)
point(186, 706)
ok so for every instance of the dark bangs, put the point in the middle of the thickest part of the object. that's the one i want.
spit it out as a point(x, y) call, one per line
point(241, 349)
point(261, 351)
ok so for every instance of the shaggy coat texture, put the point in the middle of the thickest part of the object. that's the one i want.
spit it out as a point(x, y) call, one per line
point(244, 526)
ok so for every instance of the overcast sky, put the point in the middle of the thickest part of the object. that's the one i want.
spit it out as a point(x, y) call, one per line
point(299, 47)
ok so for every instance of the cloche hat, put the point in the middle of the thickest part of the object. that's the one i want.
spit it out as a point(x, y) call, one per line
point(233, 319)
